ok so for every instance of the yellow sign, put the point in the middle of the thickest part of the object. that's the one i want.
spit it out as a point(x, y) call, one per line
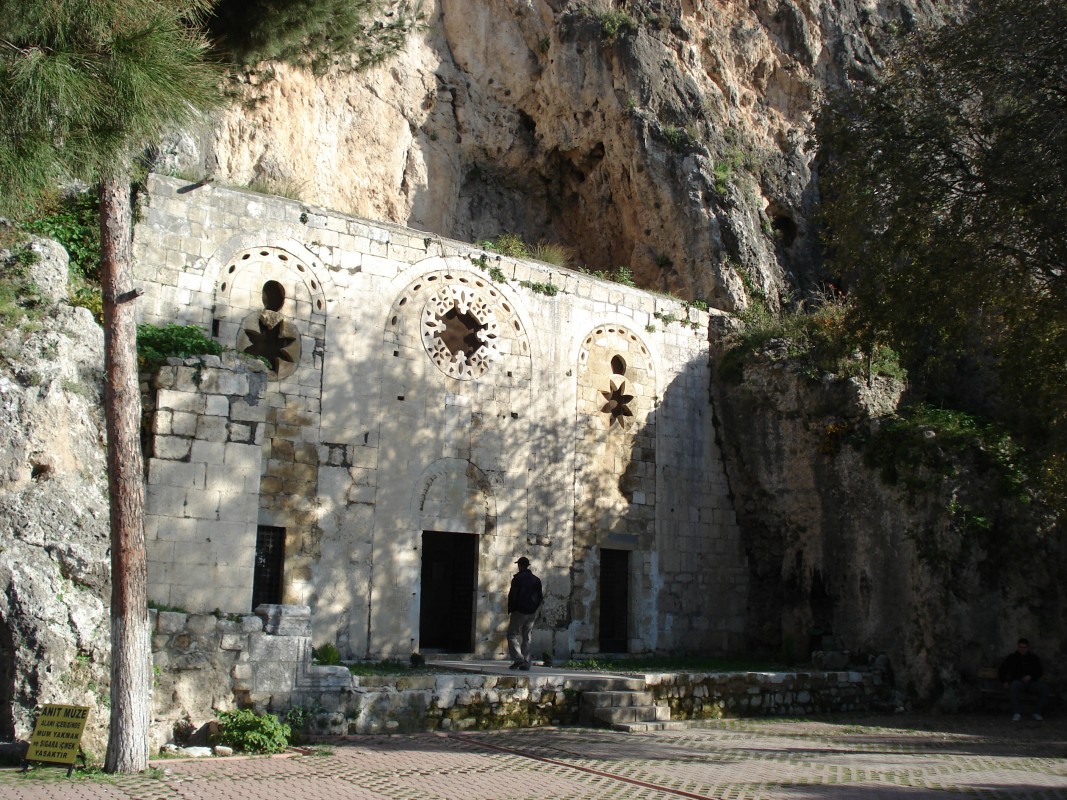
point(57, 734)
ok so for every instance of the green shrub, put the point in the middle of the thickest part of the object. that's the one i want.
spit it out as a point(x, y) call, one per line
point(326, 654)
point(74, 222)
point(248, 732)
point(90, 297)
point(612, 22)
point(299, 719)
point(538, 287)
point(511, 244)
point(624, 276)
point(155, 344)
point(678, 138)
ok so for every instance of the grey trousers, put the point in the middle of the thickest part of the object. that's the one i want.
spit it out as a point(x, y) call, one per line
point(520, 629)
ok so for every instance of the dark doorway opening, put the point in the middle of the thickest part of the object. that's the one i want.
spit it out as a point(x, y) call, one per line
point(449, 582)
point(614, 601)
point(7, 682)
point(270, 560)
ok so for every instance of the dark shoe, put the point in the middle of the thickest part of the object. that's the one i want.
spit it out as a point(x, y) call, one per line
point(525, 666)
point(516, 665)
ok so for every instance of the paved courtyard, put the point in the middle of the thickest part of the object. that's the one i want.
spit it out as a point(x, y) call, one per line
point(899, 757)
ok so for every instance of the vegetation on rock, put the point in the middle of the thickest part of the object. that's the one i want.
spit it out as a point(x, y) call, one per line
point(155, 344)
point(20, 299)
point(943, 194)
point(314, 34)
point(74, 222)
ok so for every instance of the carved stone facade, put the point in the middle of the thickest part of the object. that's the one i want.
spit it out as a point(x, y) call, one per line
point(425, 413)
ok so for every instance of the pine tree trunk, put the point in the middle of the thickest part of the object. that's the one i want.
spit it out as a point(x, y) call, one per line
point(127, 747)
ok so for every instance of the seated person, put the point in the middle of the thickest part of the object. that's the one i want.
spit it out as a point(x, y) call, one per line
point(1021, 672)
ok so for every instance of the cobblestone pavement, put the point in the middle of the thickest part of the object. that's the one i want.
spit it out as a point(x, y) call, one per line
point(842, 758)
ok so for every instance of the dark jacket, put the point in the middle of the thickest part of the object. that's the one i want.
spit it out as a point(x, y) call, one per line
point(1017, 666)
point(525, 594)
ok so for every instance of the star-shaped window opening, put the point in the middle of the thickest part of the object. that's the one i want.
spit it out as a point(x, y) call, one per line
point(460, 332)
point(270, 341)
point(618, 404)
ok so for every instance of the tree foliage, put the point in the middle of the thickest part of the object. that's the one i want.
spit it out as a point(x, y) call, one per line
point(311, 33)
point(84, 84)
point(944, 190)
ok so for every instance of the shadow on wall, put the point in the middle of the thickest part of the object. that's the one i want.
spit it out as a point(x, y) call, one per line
point(630, 474)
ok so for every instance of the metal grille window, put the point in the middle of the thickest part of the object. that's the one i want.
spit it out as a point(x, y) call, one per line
point(270, 558)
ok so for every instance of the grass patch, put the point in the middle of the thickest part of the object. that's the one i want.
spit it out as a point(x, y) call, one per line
point(678, 664)
point(557, 255)
point(624, 276)
point(291, 188)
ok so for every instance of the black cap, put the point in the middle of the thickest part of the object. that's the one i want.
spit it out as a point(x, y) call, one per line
point(523, 562)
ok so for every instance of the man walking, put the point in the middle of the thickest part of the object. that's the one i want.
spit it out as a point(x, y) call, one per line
point(524, 598)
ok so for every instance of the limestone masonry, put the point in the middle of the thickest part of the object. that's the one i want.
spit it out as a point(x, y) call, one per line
point(431, 412)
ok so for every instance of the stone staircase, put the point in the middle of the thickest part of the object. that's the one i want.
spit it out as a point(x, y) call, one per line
point(630, 709)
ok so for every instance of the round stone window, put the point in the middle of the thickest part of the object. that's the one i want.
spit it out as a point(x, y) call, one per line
point(460, 332)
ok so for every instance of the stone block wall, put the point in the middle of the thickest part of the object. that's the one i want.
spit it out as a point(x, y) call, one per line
point(426, 397)
point(206, 663)
point(206, 419)
point(696, 696)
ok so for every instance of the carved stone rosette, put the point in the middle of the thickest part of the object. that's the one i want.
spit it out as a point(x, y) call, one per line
point(460, 332)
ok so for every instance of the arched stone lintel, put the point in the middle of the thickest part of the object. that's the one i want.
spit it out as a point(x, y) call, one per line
point(215, 265)
point(439, 506)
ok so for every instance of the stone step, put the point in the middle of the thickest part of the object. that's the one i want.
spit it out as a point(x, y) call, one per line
point(611, 708)
point(614, 716)
point(642, 727)
point(617, 699)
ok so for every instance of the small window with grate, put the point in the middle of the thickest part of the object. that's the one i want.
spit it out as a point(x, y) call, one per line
point(270, 559)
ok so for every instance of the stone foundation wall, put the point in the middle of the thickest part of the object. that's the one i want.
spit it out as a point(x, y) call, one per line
point(208, 664)
point(756, 694)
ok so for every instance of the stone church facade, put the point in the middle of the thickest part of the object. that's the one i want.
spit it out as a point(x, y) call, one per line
point(431, 411)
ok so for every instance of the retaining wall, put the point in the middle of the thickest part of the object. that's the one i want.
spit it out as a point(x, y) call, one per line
point(208, 663)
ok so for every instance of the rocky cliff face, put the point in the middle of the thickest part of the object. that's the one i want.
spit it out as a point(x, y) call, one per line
point(670, 136)
point(941, 569)
point(54, 570)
